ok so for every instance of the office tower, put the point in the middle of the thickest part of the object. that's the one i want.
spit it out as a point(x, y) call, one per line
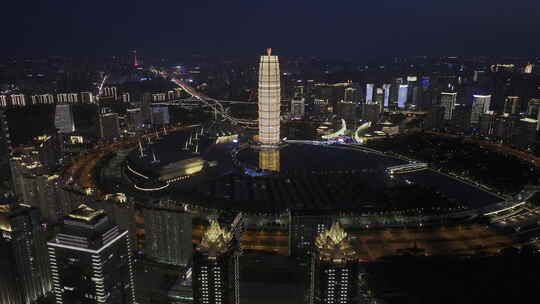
point(63, 119)
point(87, 97)
point(386, 91)
point(448, 102)
point(18, 100)
point(512, 105)
point(297, 107)
point(435, 118)
point(135, 118)
point(480, 106)
point(91, 260)
point(216, 268)
point(370, 90)
point(461, 118)
point(402, 96)
point(168, 233)
point(333, 269)
point(42, 99)
point(526, 131)
point(505, 128)
point(145, 106)
point(269, 159)
point(109, 126)
point(160, 116)
point(394, 92)
point(350, 95)
point(304, 227)
point(371, 112)
point(50, 149)
point(269, 100)
point(478, 75)
point(379, 98)
point(22, 242)
point(486, 124)
point(3, 101)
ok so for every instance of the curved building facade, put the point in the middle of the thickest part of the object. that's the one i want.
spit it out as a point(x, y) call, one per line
point(269, 99)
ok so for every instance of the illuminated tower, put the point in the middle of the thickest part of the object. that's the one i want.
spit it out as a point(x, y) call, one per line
point(91, 260)
point(334, 268)
point(269, 100)
point(216, 268)
point(269, 160)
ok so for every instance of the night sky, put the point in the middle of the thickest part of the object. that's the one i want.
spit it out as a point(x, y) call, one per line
point(315, 27)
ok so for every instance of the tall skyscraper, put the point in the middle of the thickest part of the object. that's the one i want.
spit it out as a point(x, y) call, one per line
point(334, 268)
point(216, 268)
point(22, 248)
point(402, 96)
point(386, 89)
point(63, 119)
point(370, 90)
point(298, 107)
point(109, 126)
point(448, 102)
point(480, 106)
point(91, 260)
point(168, 233)
point(269, 100)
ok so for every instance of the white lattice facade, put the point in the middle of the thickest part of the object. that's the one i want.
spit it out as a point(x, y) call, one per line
point(269, 100)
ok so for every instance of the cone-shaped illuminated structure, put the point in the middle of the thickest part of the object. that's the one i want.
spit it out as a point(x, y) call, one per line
point(269, 100)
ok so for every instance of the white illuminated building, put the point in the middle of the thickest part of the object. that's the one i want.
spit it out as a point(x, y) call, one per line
point(269, 100)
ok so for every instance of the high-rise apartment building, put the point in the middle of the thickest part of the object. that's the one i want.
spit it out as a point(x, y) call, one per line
point(91, 260)
point(480, 106)
point(25, 277)
point(63, 119)
point(304, 227)
point(448, 102)
point(402, 96)
point(216, 268)
point(109, 126)
point(87, 97)
point(42, 99)
point(18, 100)
point(269, 100)
point(334, 268)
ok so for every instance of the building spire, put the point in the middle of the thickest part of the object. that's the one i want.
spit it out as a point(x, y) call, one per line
point(269, 51)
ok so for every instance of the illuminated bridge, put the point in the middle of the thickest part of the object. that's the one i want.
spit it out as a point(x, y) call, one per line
point(412, 167)
point(214, 104)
